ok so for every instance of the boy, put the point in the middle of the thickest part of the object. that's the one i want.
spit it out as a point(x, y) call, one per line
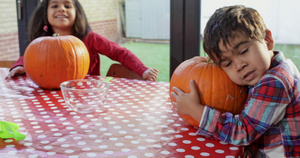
point(237, 40)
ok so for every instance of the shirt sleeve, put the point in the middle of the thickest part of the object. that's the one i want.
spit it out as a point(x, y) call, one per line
point(265, 107)
point(117, 53)
point(19, 62)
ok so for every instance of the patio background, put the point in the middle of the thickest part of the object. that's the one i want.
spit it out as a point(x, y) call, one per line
point(147, 21)
point(103, 16)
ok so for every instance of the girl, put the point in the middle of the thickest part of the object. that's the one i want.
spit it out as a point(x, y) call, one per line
point(66, 17)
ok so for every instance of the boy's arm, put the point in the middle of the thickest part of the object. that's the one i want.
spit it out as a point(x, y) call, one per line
point(188, 103)
point(266, 107)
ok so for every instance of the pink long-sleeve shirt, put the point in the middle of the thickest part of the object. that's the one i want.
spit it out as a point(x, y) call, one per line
point(96, 44)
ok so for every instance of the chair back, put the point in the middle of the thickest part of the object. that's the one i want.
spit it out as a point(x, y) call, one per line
point(120, 71)
point(7, 63)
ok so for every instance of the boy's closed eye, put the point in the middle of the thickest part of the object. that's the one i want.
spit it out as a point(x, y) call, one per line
point(244, 51)
point(225, 63)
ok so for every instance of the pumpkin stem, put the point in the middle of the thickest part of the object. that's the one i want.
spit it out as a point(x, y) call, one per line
point(55, 35)
point(209, 60)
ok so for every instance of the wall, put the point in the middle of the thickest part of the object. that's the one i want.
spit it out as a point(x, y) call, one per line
point(103, 16)
point(280, 16)
point(148, 19)
point(9, 43)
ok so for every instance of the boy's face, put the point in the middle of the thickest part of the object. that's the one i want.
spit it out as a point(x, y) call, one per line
point(246, 60)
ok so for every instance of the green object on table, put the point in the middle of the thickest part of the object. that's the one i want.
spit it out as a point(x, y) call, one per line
point(107, 79)
point(10, 130)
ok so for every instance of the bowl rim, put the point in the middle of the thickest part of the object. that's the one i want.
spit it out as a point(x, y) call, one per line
point(64, 83)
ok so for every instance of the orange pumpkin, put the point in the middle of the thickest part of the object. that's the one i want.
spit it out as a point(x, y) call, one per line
point(48, 61)
point(214, 86)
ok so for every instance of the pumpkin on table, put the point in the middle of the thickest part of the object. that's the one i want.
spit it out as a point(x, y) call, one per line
point(48, 61)
point(214, 86)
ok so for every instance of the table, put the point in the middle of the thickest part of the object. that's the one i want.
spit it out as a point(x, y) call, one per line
point(137, 120)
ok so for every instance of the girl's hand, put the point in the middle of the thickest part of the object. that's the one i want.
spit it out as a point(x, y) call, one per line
point(188, 103)
point(17, 71)
point(150, 74)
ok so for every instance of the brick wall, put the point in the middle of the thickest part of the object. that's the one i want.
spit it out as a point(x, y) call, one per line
point(106, 28)
point(9, 46)
point(103, 16)
point(9, 43)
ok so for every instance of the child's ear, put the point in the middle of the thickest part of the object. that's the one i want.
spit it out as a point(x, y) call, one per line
point(269, 40)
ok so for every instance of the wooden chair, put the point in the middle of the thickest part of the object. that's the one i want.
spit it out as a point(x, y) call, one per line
point(7, 63)
point(120, 71)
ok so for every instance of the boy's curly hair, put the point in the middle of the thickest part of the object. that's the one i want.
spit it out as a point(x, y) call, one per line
point(227, 23)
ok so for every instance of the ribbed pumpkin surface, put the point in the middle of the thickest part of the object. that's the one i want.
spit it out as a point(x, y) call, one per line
point(214, 86)
point(48, 61)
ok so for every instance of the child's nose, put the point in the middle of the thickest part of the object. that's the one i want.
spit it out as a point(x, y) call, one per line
point(240, 65)
point(62, 8)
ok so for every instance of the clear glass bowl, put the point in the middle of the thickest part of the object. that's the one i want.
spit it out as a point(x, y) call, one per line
point(84, 95)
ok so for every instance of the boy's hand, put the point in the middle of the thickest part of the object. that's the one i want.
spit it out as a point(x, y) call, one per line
point(188, 103)
point(17, 71)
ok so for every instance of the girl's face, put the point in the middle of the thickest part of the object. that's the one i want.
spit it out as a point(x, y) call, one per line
point(246, 60)
point(61, 15)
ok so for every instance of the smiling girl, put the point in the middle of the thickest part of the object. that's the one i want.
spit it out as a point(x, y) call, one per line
point(66, 17)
